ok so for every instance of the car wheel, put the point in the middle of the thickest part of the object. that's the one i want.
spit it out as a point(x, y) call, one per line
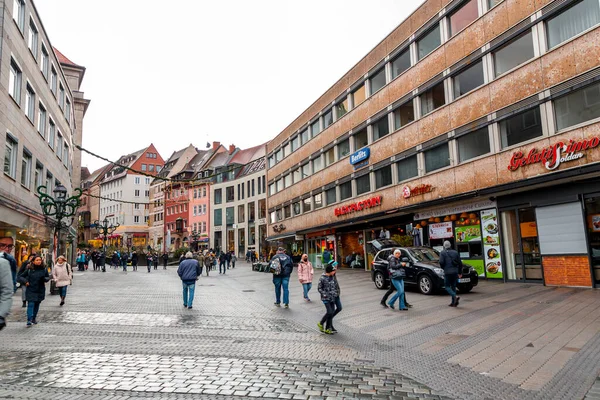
point(379, 280)
point(425, 284)
point(465, 289)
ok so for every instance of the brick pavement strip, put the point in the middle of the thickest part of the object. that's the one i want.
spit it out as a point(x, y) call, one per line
point(132, 343)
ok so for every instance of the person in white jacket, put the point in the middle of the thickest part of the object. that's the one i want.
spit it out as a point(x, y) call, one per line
point(6, 290)
point(62, 274)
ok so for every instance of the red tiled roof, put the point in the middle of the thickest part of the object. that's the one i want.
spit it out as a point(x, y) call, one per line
point(63, 59)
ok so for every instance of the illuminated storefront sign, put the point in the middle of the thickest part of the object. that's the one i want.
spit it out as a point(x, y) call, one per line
point(552, 157)
point(417, 190)
point(359, 206)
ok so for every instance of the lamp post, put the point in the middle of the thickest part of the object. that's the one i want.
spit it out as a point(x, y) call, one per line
point(105, 228)
point(60, 206)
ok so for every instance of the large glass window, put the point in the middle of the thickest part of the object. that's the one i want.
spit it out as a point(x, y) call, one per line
point(251, 212)
point(304, 136)
point(45, 63)
point(361, 139)
point(287, 212)
point(330, 156)
point(241, 213)
point(462, 17)
point(514, 53)
point(468, 79)
point(345, 190)
point(297, 175)
point(287, 181)
point(341, 108)
point(363, 184)
point(14, 81)
point(19, 13)
point(473, 144)
point(381, 128)
point(572, 21)
point(343, 148)
point(318, 198)
point(378, 80)
point(10, 158)
point(295, 143)
point(262, 208)
point(315, 128)
point(230, 215)
point(358, 96)
point(520, 128)
point(404, 114)
point(30, 103)
point(218, 216)
point(218, 196)
point(436, 158)
point(297, 208)
point(400, 63)
point(32, 39)
point(51, 133)
point(407, 168)
point(306, 172)
point(383, 177)
point(306, 205)
point(327, 118)
point(578, 107)
point(317, 164)
point(492, 3)
point(429, 42)
point(432, 99)
point(331, 195)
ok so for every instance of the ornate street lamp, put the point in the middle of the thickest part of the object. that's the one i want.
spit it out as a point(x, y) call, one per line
point(105, 228)
point(59, 207)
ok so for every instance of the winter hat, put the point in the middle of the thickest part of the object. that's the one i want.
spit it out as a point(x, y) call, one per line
point(447, 244)
point(329, 268)
point(333, 263)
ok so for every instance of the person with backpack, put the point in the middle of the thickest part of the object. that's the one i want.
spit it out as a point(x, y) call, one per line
point(62, 274)
point(35, 279)
point(452, 265)
point(397, 274)
point(281, 267)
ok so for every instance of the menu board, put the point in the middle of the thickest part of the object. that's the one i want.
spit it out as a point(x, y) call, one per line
point(491, 243)
point(442, 230)
point(467, 233)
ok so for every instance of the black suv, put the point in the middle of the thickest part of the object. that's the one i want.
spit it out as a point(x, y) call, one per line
point(422, 268)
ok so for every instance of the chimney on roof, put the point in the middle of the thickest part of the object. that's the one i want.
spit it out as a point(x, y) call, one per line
point(216, 145)
point(231, 148)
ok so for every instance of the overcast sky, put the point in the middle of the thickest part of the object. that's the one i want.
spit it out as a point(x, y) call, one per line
point(196, 71)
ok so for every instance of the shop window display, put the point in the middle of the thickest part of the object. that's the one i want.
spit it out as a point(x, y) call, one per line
point(521, 245)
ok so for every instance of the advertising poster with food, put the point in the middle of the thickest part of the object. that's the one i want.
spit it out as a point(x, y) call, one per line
point(443, 230)
point(468, 233)
point(596, 223)
point(491, 243)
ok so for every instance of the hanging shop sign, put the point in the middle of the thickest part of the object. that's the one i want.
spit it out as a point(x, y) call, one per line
point(552, 157)
point(360, 158)
point(408, 192)
point(361, 205)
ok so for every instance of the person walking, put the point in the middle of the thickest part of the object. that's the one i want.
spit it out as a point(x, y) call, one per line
point(328, 288)
point(165, 258)
point(134, 261)
point(95, 259)
point(124, 261)
point(200, 258)
point(7, 244)
point(392, 288)
point(397, 274)
point(35, 279)
point(326, 256)
point(102, 261)
point(222, 263)
point(208, 262)
point(228, 259)
point(233, 259)
point(26, 264)
point(452, 265)
point(305, 275)
point(6, 289)
point(155, 261)
point(189, 271)
point(281, 266)
point(62, 274)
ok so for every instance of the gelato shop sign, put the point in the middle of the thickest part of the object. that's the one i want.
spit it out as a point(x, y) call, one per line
point(552, 157)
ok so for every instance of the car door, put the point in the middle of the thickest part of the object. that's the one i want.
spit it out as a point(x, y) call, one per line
point(411, 269)
point(382, 262)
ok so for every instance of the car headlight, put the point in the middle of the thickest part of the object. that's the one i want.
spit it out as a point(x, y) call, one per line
point(472, 271)
point(439, 271)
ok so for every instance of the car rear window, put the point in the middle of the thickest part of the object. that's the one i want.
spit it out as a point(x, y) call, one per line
point(425, 255)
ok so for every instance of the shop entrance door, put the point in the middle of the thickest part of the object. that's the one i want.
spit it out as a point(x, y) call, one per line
point(521, 245)
point(592, 210)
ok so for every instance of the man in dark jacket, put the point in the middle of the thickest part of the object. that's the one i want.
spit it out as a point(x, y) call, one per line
point(452, 265)
point(189, 271)
point(393, 261)
point(165, 258)
point(283, 279)
point(222, 263)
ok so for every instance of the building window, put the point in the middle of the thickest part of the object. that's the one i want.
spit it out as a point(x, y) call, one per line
point(136, 206)
point(32, 40)
point(429, 42)
point(10, 157)
point(278, 156)
point(287, 180)
point(68, 111)
point(436, 158)
point(253, 191)
point(327, 118)
point(65, 154)
point(30, 103)
point(473, 144)
point(577, 107)
point(229, 194)
point(229, 215)
point(41, 126)
point(462, 17)
point(381, 128)
point(137, 193)
point(306, 172)
point(136, 219)
point(304, 136)
point(39, 175)
point(271, 161)
point(296, 175)
point(144, 167)
point(520, 128)
point(341, 108)
point(218, 196)
point(317, 164)
point(514, 53)
point(137, 180)
point(53, 80)
point(61, 96)
point(377, 81)
point(297, 209)
point(343, 148)
point(400, 63)
point(26, 170)
point(403, 115)
point(241, 213)
point(45, 64)
point(329, 156)
point(251, 212)
point(19, 14)
point(468, 79)
point(278, 185)
point(492, 3)
point(572, 21)
point(383, 177)
point(51, 133)
point(151, 167)
point(331, 195)
point(315, 128)
point(345, 190)
point(271, 190)
point(407, 168)
point(432, 99)
point(358, 96)
point(295, 143)
point(306, 205)
point(49, 180)
point(361, 139)
point(363, 184)
point(318, 198)
point(59, 145)
point(14, 81)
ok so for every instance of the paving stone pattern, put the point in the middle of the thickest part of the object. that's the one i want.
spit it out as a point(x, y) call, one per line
point(127, 335)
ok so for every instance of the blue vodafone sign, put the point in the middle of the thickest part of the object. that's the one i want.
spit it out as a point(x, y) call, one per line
point(360, 158)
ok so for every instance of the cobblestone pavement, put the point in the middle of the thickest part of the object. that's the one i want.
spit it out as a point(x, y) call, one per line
point(127, 335)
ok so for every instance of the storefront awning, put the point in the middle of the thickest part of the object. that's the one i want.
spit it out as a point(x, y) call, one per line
point(282, 236)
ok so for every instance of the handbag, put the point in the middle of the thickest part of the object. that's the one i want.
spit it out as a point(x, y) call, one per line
point(398, 274)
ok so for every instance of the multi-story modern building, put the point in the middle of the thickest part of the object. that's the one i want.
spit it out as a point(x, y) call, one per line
point(125, 195)
point(239, 203)
point(474, 121)
point(39, 128)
